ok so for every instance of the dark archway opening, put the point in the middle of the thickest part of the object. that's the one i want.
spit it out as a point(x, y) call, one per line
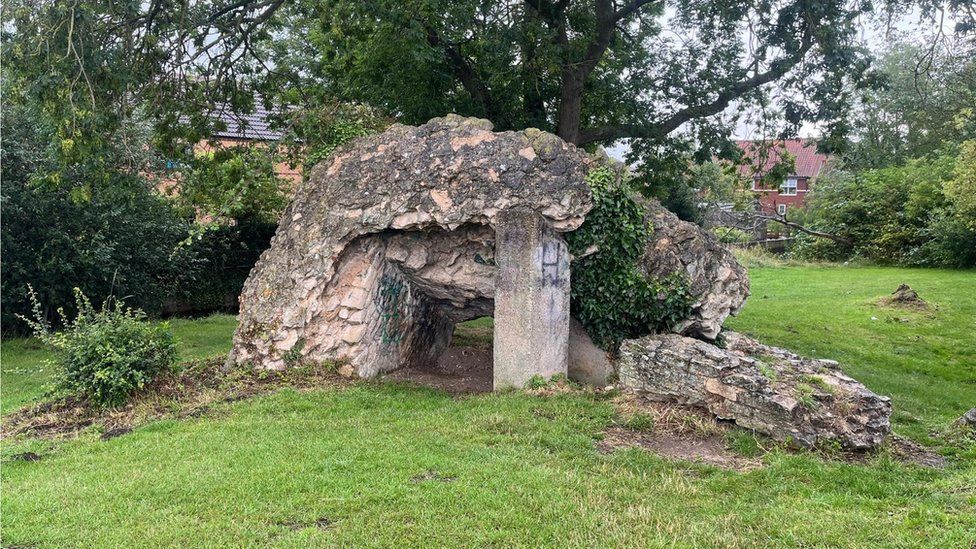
point(464, 367)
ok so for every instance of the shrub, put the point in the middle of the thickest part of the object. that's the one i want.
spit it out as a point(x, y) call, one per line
point(905, 215)
point(108, 238)
point(105, 355)
point(610, 296)
point(222, 257)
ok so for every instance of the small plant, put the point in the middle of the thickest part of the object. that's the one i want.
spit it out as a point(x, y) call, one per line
point(804, 395)
point(819, 383)
point(105, 355)
point(767, 371)
point(293, 356)
point(643, 423)
point(537, 382)
point(610, 295)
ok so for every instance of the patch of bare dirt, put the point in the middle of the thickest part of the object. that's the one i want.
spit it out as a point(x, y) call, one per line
point(190, 392)
point(682, 432)
point(460, 370)
point(711, 450)
point(322, 523)
point(908, 451)
point(672, 431)
point(431, 475)
point(25, 456)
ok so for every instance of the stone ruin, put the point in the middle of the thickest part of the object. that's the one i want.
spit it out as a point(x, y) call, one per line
point(801, 400)
point(399, 236)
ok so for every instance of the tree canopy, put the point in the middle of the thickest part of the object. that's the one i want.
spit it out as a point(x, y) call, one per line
point(660, 73)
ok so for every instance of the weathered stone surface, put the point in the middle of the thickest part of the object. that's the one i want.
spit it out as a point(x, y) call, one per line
point(588, 363)
point(719, 284)
point(803, 400)
point(531, 334)
point(392, 241)
point(969, 418)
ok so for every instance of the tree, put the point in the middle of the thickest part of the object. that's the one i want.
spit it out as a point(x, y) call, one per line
point(925, 103)
point(903, 215)
point(592, 71)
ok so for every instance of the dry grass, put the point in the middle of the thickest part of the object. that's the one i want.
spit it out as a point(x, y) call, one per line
point(190, 391)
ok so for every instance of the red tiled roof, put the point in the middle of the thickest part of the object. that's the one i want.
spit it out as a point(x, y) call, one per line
point(809, 162)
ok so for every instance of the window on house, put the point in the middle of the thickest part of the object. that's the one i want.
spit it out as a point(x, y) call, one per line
point(789, 187)
point(781, 209)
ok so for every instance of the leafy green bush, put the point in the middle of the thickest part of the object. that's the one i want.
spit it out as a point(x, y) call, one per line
point(610, 295)
point(232, 183)
point(113, 238)
point(104, 355)
point(222, 257)
point(905, 215)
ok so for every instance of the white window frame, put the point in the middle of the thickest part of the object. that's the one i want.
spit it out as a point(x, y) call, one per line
point(781, 209)
point(791, 183)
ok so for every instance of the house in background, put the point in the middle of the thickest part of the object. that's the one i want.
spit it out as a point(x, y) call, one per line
point(249, 130)
point(791, 192)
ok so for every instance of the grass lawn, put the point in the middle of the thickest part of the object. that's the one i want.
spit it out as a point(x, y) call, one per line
point(925, 361)
point(392, 465)
point(24, 376)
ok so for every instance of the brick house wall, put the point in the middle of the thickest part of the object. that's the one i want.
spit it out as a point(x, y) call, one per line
point(791, 193)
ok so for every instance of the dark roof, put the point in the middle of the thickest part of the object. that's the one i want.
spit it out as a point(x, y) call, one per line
point(809, 163)
point(254, 126)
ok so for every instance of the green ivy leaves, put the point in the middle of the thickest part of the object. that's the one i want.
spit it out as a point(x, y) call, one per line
point(610, 295)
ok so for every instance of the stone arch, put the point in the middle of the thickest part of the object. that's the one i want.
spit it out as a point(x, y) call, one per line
point(400, 235)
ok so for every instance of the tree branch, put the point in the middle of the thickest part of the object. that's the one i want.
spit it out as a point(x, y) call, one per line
point(781, 219)
point(465, 72)
point(659, 129)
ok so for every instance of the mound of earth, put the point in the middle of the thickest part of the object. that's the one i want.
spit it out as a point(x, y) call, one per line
point(905, 297)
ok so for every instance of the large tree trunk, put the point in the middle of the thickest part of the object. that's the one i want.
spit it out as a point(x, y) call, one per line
point(570, 107)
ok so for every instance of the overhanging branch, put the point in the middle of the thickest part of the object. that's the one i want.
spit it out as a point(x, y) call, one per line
point(659, 129)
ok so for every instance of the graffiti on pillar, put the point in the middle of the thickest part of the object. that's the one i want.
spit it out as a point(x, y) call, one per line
point(553, 263)
point(392, 305)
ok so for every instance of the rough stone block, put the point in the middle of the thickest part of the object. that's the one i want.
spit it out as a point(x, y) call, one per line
point(531, 300)
point(588, 363)
point(791, 398)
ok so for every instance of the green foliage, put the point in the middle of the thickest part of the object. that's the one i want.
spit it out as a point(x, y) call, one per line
point(537, 382)
point(232, 183)
point(961, 189)
point(898, 215)
point(767, 371)
point(818, 382)
point(926, 102)
point(804, 395)
point(104, 355)
point(590, 71)
point(610, 295)
point(314, 132)
point(119, 238)
point(221, 258)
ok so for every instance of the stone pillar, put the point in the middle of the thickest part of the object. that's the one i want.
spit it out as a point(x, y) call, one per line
point(531, 300)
